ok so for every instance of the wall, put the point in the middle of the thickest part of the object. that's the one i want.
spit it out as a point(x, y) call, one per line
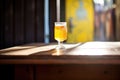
point(22, 21)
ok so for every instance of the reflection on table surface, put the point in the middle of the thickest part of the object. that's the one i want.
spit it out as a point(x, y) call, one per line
point(88, 48)
point(80, 53)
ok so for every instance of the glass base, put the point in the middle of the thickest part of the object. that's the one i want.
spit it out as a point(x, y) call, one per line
point(60, 47)
point(59, 50)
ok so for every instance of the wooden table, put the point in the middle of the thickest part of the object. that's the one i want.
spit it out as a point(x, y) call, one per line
point(101, 58)
point(81, 53)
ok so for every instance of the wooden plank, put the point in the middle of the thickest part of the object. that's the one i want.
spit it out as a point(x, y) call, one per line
point(78, 72)
point(24, 72)
point(39, 20)
point(89, 53)
point(19, 22)
point(9, 27)
point(29, 21)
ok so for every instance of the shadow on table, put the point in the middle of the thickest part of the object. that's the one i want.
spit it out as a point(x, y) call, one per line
point(57, 52)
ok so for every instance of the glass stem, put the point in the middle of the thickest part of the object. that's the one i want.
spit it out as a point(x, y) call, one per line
point(58, 43)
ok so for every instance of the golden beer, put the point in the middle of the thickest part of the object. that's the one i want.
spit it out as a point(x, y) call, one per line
point(60, 33)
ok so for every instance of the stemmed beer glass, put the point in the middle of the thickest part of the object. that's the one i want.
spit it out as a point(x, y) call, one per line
point(60, 33)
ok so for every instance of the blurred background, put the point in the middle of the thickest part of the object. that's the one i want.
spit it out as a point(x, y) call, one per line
point(29, 21)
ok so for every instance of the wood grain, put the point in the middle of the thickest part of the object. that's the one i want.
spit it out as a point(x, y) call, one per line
point(87, 53)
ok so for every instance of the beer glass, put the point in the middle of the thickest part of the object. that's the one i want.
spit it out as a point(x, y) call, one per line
point(60, 33)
